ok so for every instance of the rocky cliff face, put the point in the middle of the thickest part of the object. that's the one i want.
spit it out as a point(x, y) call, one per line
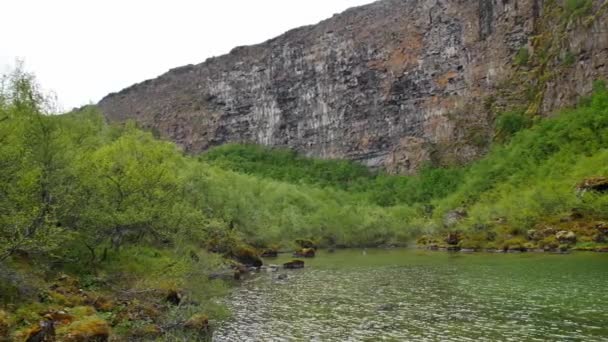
point(393, 84)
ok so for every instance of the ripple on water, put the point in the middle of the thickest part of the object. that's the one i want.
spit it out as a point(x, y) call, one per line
point(408, 295)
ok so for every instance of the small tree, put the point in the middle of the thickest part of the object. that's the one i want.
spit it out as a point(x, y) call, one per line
point(28, 166)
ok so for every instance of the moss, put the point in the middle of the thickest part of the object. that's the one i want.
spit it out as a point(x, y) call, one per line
point(514, 244)
point(306, 243)
point(91, 328)
point(5, 325)
point(246, 255)
point(522, 57)
point(549, 243)
point(198, 322)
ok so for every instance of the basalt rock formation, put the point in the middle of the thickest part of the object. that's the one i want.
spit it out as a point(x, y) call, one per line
point(394, 84)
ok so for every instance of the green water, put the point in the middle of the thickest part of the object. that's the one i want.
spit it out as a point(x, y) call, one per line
point(413, 295)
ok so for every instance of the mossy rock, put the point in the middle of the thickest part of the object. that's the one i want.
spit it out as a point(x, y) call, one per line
point(514, 244)
point(198, 323)
point(294, 264)
point(247, 256)
point(566, 237)
point(305, 253)
point(306, 243)
point(549, 243)
point(88, 329)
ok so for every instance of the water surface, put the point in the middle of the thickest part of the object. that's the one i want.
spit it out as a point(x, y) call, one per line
point(404, 295)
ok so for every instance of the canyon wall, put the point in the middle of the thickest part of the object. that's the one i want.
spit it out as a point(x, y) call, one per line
point(393, 85)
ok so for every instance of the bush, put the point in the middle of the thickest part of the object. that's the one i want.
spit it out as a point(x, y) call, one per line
point(522, 57)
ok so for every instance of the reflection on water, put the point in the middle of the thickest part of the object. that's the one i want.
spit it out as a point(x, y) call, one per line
point(400, 295)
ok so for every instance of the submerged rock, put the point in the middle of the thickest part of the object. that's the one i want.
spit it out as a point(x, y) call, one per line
point(294, 264)
point(387, 307)
point(270, 268)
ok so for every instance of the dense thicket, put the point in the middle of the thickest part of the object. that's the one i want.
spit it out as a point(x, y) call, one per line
point(528, 178)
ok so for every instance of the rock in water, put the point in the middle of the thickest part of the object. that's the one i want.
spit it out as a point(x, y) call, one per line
point(295, 264)
point(305, 253)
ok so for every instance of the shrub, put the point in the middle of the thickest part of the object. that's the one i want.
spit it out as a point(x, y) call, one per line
point(522, 56)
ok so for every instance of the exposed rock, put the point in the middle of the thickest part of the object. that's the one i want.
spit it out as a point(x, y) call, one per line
point(247, 256)
point(174, 297)
point(269, 253)
point(305, 253)
point(566, 237)
point(453, 217)
point(270, 268)
point(295, 264)
point(394, 84)
point(595, 184)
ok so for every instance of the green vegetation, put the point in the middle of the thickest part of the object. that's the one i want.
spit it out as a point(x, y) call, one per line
point(522, 57)
point(526, 182)
point(119, 231)
point(576, 8)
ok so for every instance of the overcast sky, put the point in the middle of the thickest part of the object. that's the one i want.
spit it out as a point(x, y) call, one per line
point(85, 49)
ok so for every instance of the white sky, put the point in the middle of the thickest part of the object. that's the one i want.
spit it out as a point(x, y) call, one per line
point(85, 49)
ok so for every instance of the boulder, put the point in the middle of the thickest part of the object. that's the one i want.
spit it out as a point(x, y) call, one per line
point(566, 237)
point(453, 217)
point(247, 256)
point(294, 264)
point(595, 184)
point(305, 253)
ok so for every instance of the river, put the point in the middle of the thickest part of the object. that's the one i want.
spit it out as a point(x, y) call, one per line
point(416, 295)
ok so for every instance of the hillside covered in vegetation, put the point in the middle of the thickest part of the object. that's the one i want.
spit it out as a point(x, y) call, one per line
point(109, 230)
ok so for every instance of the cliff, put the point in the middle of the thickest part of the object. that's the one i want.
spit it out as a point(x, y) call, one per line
point(393, 84)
